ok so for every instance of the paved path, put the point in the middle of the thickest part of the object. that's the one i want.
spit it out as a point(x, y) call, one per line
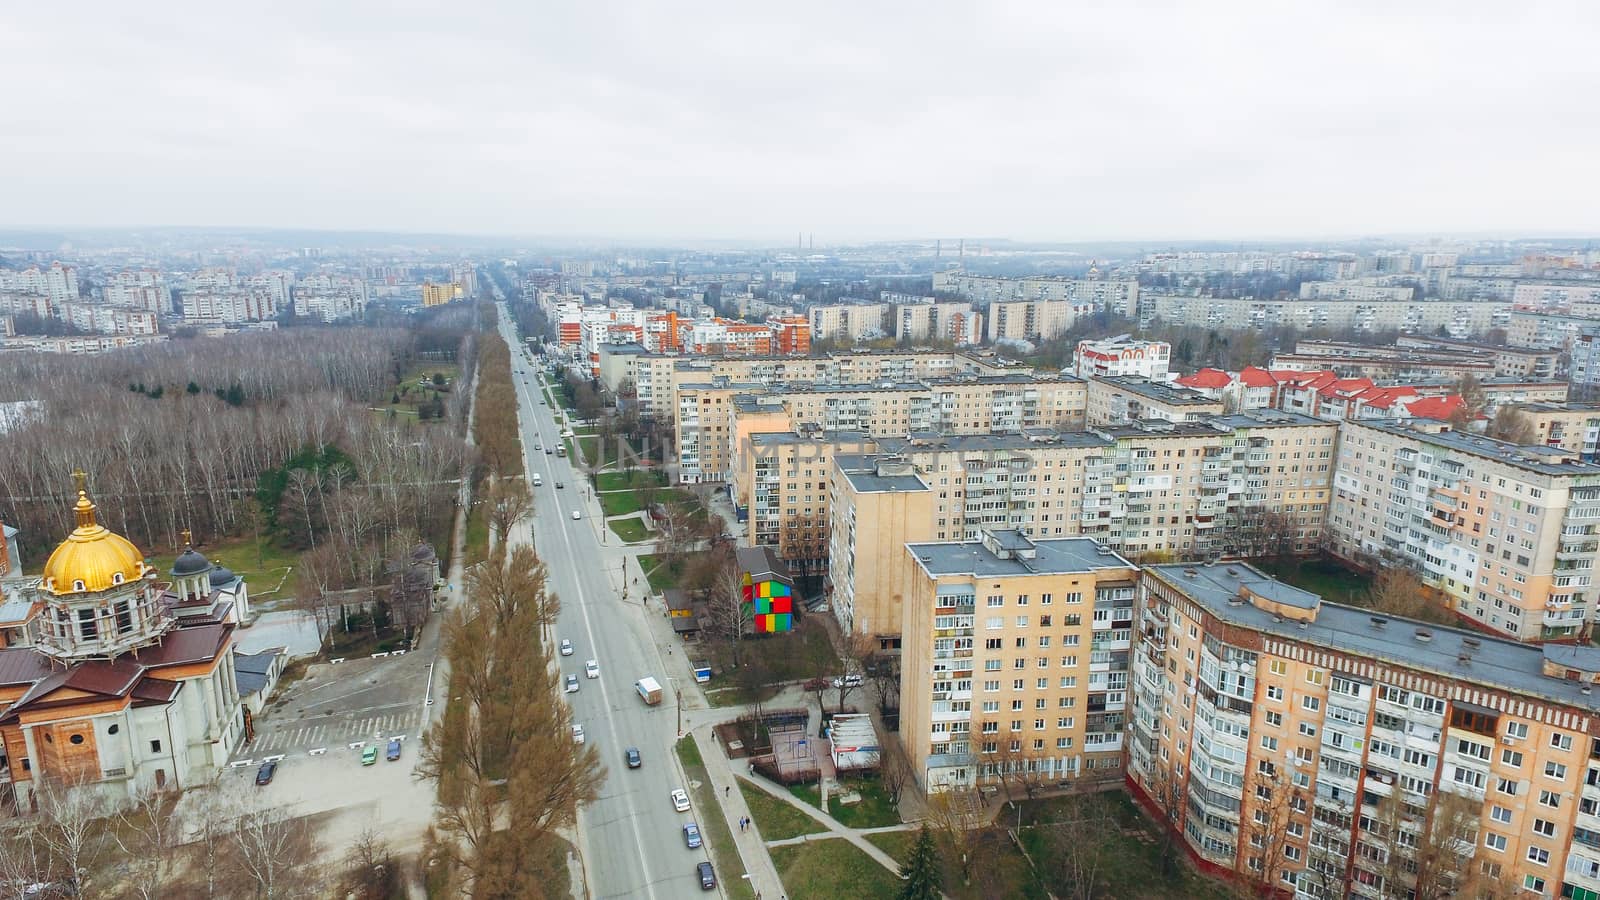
point(834, 829)
point(757, 861)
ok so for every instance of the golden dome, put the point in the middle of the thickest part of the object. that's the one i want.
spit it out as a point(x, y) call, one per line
point(92, 558)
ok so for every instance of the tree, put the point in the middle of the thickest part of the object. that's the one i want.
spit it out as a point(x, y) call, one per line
point(273, 850)
point(1275, 804)
point(510, 503)
point(1079, 850)
point(923, 879)
point(1425, 852)
point(148, 836)
point(369, 868)
point(728, 615)
point(957, 817)
point(71, 826)
point(1397, 591)
point(1509, 424)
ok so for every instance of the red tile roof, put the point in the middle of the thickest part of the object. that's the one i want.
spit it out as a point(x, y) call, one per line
point(1435, 407)
point(1206, 378)
point(1255, 377)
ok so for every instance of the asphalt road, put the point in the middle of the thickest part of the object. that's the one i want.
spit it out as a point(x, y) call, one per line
point(630, 838)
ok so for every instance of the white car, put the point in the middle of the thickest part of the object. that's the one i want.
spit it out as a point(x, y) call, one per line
point(572, 684)
point(576, 515)
point(577, 733)
point(591, 669)
point(680, 800)
point(566, 647)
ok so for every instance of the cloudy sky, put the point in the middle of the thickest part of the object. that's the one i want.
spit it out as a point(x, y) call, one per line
point(1051, 120)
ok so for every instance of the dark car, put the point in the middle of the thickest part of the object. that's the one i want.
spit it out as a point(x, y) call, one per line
point(632, 756)
point(265, 773)
point(691, 836)
point(394, 749)
point(708, 878)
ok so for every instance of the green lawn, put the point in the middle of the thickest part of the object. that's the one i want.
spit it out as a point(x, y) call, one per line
point(776, 819)
point(874, 810)
point(897, 844)
point(477, 538)
point(631, 531)
point(620, 503)
point(660, 575)
point(622, 481)
point(1324, 577)
point(832, 868)
point(713, 825)
point(263, 563)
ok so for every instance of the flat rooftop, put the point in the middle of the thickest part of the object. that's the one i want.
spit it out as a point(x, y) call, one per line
point(1532, 457)
point(1348, 629)
point(1159, 390)
point(1060, 556)
point(1269, 418)
point(866, 480)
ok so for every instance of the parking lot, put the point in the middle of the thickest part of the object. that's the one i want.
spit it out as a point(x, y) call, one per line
point(335, 705)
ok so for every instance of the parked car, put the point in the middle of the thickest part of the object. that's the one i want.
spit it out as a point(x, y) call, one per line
point(572, 684)
point(265, 773)
point(680, 800)
point(591, 669)
point(691, 835)
point(394, 749)
point(708, 878)
point(632, 756)
point(369, 755)
point(577, 733)
point(848, 681)
point(566, 647)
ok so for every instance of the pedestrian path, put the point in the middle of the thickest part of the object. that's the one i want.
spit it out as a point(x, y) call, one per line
point(757, 861)
point(834, 829)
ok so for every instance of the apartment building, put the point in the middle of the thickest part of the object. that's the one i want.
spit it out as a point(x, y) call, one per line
point(1509, 362)
point(1459, 318)
point(849, 322)
point(1016, 660)
point(780, 489)
point(1506, 534)
point(1547, 331)
point(1116, 399)
point(1089, 294)
point(1034, 320)
point(1305, 744)
point(926, 319)
point(1572, 426)
point(876, 505)
point(1359, 290)
point(1122, 356)
point(1554, 296)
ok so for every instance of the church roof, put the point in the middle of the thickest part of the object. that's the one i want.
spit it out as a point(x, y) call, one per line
point(23, 665)
point(189, 562)
point(92, 558)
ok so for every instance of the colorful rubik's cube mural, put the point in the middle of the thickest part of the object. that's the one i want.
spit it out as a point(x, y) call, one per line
point(768, 589)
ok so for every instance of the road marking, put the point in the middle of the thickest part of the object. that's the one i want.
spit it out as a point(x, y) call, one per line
point(277, 758)
point(317, 751)
point(241, 763)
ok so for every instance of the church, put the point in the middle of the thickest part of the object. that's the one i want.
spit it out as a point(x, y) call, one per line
point(110, 673)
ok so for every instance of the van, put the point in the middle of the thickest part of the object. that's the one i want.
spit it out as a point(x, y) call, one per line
point(537, 479)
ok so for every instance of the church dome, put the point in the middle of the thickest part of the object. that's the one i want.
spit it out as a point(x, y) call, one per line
point(92, 558)
point(189, 562)
point(222, 576)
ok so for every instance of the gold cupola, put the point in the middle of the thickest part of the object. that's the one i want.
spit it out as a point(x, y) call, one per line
point(92, 558)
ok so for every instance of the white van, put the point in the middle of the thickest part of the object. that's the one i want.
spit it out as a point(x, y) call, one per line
point(537, 479)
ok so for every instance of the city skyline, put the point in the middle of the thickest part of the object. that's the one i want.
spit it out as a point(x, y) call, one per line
point(1038, 124)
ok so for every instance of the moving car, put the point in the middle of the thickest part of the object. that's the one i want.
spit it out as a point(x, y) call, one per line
point(708, 878)
point(680, 800)
point(394, 749)
point(369, 755)
point(576, 515)
point(547, 452)
point(577, 733)
point(691, 835)
point(538, 446)
point(572, 684)
point(632, 756)
point(560, 485)
point(265, 773)
point(566, 647)
point(591, 669)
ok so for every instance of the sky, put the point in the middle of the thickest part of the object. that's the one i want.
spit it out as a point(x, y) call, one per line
point(1069, 121)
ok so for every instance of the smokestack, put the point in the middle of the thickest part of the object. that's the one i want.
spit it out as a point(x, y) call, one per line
point(962, 252)
point(938, 246)
point(811, 243)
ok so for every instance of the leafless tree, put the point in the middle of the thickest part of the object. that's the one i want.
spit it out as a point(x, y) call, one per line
point(148, 834)
point(272, 851)
point(71, 824)
point(728, 615)
point(1425, 850)
point(1274, 803)
point(370, 872)
point(1081, 846)
point(509, 504)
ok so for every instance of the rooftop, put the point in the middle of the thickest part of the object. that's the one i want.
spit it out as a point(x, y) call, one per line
point(1269, 418)
point(1532, 457)
point(867, 479)
point(1158, 390)
point(1061, 556)
point(1415, 645)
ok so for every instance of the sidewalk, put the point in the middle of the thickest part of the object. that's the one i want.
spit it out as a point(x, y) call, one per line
point(834, 829)
point(757, 861)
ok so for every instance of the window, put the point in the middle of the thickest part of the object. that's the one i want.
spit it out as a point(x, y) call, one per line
point(1278, 667)
point(1555, 770)
point(1308, 729)
point(1544, 827)
point(1314, 676)
point(1537, 854)
point(1533, 883)
point(1269, 743)
point(1495, 841)
point(1274, 692)
point(1500, 814)
point(1550, 799)
point(1506, 786)
point(1560, 741)
point(1511, 758)
point(155, 746)
point(1274, 719)
point(1517, 730)
point(1311, 703)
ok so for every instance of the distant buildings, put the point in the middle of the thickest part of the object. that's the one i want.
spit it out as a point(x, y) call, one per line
point(1122, 356)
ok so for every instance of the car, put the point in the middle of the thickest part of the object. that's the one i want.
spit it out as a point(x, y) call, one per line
point(548, 451)
point(632, 756)
point(691, 835)
point(265, 773)
point(572, 684)
point(576, 515)
point(591, 669)
point(394, 749)
point(560, 485)
point(680, 800)
point(566, 647)
point(577, 734)
point(538, 446)
point(369, 755)
point(848, 681)
point(708, 878)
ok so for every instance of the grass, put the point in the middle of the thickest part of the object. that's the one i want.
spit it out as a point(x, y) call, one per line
point(622, 481)
point(620, 503)
point(832, 868)
point(1324, 577)
point(631, 531)
point(874, 811)
point(261, 562)
point(477, 534)
point(714, 825)
point(897, 844)
point(774, 818)
point(660, 575)
point(576, 459)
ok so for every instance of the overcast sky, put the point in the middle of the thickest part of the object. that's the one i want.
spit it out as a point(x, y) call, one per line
point(1051, 120)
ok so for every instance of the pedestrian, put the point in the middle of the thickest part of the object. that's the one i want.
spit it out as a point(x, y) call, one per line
point(727, 789)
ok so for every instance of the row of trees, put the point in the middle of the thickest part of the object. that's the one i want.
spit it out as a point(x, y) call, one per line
point(494, 428)
point(507, 771)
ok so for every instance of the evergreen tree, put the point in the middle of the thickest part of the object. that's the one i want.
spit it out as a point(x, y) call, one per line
point(923, 879)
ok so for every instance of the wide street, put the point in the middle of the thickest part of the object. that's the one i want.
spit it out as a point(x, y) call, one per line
point(630, 838)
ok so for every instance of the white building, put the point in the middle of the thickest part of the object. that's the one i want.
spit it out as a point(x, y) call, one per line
point(1123, 356)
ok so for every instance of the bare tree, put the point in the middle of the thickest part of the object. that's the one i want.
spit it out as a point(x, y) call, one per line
point(208, 830)
point(1274, 804)
point(71, 824)
point(509, 504)
point(1425, 851)
point(1397, 591)
point(273, 850)
point(1510, 424)
point(1081, 847)
point(148, 835)
point(369, 868)
point(728, 614)
point(957, 818)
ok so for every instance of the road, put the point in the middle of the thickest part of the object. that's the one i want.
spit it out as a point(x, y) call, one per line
point(630, 838)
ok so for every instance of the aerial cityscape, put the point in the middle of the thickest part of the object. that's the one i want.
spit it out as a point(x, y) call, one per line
point(1033, 452)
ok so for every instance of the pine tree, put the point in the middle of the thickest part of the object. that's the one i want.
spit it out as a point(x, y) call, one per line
point(923, 879)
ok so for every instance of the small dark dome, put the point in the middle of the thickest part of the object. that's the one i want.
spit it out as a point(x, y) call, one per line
point(189, 562)
point(222, 576)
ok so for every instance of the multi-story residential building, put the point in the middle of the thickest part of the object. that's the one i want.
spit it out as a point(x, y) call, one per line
point(1116, 399)
point(228, 307)
point(1305, 745)
point(1572, 426)
point(1088, 294)
point(1122, 356)
point(1016, 659)
point(1034, 320)
point(1459, 318)
point(1584, 367)
point(850, 322)
point(791, 335)
point(1359, 290)
point(876, 505)
point(440, 294)
point(780, 490)
point(1547, 331)
point(924, 319)
point(1554, 296)
point(1509, 362)
point(1505, 534)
